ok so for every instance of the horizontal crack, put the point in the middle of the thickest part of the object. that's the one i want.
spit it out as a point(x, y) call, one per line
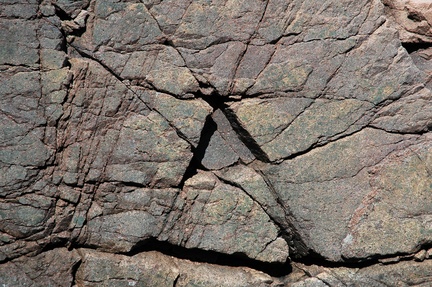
point(413, 47)
point(211, 257)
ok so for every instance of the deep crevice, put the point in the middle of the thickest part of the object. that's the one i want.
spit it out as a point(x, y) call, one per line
point(314, 258)
point(61, 13)
point(207, 132)
point(64, 16)
point(413, 47)
point(176, 280)
point(54, 244)
point(211, 257)
point(245, 136)
point(287, 231)
point(74, 270)
point(219, 102)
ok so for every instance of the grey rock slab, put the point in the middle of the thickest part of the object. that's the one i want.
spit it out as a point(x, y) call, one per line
point(109, 21)
point(225, 147)
point(121, 217)
point(257, 188)
point(291, 126)
point(155, 269)
point(21, 101)
point(18, 42)
point(117, 135)
point(188, 116)
point(219, 153)
point(322, 121)
point(148, 151)
point(221, 217)
point(158, 66)
point(323, 195)
point(274, 114)
point(50, 268)
point(404, 273)
point(411, 114)
point(365, 79)
point(24, 147)
point(212, 64)
point(395, 216)
point(26, 215)
point(206, 23)
point(120, 232)
point(201, 216)
point(19, 9)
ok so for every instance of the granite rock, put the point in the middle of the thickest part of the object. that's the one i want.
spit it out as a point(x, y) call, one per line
point(215, 143)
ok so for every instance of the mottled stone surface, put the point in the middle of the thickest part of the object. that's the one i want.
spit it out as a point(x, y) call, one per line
point(155, 269)
point(215, 143)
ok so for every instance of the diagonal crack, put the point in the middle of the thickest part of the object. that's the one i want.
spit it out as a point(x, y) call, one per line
point(120, 79)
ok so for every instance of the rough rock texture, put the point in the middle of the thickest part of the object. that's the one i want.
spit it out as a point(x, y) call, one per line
point(215, 143)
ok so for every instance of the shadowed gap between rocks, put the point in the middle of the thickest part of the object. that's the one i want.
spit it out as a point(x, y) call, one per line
point(287, 231)
point(207, 132)
point(211, 257)
point(219, 102)
point(74, 271)
point(61, 13)
point(64, 16)
point(413, 47)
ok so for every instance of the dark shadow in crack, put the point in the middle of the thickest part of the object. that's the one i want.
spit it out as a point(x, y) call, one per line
point(217, 101)
point(211, 257)
point(413, 47)
point(198, 152)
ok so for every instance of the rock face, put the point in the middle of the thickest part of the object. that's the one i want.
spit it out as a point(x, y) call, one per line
point(215, 143)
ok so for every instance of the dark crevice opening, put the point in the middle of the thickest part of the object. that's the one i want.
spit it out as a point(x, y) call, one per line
point(211, 257)
point(246, 137)
point(287, 231)
point(413, 47)
point(61, 13)
point(54, 244)
point(64, 16)
point(74, 271)
point(176, 280)
point(207, 132)
point(217, 101)
point(314, 258)
point(415, 16)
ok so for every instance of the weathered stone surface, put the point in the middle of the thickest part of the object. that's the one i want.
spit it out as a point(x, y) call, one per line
point(221, 217)
point(400, 274)
point(266, 133)
point(204, 215)
point(188, 117)
point(51, 268)
point(225, 147)
point(324, 195)
point(413, 18)
point(155, 269)
point(400, 188)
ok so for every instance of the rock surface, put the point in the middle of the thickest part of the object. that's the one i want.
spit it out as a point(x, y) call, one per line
point(215, 143)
